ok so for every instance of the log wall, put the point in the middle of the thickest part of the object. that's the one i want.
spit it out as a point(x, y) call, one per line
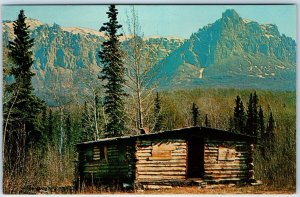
point(226, 161)
point(161, 160)
point(116, 162)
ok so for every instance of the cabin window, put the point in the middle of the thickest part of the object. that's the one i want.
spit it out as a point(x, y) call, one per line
point(226, 153)
point(99, 153)
point(103, 153)
point(162, 151)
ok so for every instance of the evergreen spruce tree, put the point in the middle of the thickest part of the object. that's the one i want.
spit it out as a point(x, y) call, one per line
point(113, 74)
point(252, 115)
point(195, 114)
point(157, 114)
point(97, 105)
point(25, 106)
point(239, 116)
point(261, 124)
point(255, 115)
point(249, 124)
point(270, 133)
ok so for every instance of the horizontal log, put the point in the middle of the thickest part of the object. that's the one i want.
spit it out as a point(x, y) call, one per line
point(176, 162)
point(225, 165)
point(216, 180)
point(113, 171)
point(161, 165)
point(179, 151)
point(181, 148)
point(144, 151)
point(211, 151)
point(226, 172)
point(210, 156)
point(233, 162)
point(237, 153)
point(161, 173)
point(211, 148)
point(164, 159)
point(145, 157)
point(137, 147)
point(159, 177)
point(210, 161)
point(216, 176)
point(179, 154)
point(157, 186)
point(229, 170)
point(138, 154)
point(159, 169)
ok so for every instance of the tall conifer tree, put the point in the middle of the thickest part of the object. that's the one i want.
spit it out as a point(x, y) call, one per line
point(252, 115)
point(239, 116)
point(157, 114)
point(270, 132)
point(261, 123)
point(25, 106)
point(195, 114)
point(113, 74)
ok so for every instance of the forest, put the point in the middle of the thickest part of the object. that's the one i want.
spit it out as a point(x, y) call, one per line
point(39, 140)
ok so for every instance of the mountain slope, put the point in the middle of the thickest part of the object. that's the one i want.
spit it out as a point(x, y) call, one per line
point(65, 56)
point(232, 52)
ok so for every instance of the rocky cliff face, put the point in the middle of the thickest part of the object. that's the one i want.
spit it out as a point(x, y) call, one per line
point(65, 55)
point(230, 51)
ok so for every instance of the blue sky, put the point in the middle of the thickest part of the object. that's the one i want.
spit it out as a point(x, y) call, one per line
point(162, 20)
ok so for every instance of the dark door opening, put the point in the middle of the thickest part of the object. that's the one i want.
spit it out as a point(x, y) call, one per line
point(195, 158)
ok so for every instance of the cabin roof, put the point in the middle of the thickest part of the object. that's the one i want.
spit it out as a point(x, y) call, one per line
point(180, 133)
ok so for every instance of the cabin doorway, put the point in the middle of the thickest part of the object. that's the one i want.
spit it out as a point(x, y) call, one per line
point(195, 163)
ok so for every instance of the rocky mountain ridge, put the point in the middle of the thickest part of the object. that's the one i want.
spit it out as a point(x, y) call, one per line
point(231, 52)
point(62, 55)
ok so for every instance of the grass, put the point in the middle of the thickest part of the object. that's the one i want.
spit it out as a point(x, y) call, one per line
point(222, 189)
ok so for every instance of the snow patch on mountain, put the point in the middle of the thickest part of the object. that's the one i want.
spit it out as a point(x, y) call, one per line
point(80, 30)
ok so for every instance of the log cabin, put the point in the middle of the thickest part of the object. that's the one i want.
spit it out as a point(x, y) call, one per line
point(187, 156)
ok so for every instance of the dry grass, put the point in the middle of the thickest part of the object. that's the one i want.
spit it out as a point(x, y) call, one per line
point(223, 190)
point(208, 190)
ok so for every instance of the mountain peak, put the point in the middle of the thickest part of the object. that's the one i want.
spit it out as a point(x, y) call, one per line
point(230, 13)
